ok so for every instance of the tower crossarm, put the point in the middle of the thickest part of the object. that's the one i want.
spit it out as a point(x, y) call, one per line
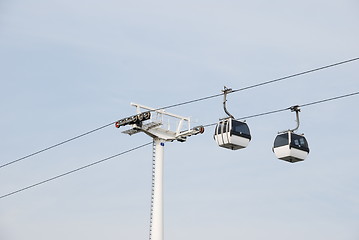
point(157, 127)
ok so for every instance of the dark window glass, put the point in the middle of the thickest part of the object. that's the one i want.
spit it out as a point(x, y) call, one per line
point(281, 140)
point(299, 142)
point(240, 129)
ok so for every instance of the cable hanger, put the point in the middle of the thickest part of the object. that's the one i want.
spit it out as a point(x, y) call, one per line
point(225, 92)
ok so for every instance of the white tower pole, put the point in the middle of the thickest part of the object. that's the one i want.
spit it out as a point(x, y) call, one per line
point(154, 128)
point(156, 226)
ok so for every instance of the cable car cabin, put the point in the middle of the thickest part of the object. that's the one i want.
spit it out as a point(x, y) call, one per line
point(232, 134)
point(290, 147)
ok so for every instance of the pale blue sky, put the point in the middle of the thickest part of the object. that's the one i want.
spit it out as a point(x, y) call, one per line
point(71, 66)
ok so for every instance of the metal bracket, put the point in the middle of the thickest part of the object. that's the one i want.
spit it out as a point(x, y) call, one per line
point(295, 109)
point(225, 92)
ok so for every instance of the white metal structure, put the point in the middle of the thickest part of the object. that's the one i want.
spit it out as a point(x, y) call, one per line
point(289, 146)
point(229, 132)
point(158, 127)
point(156, 219)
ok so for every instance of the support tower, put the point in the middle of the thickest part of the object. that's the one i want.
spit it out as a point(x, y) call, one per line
point(156, 123)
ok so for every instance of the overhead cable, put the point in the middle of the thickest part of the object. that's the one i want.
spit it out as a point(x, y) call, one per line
point(329, 99)
point(263, 83)
point(288, 108)
point(184, 103)
point(297, 74)
point(73, 171)
point(56, 145)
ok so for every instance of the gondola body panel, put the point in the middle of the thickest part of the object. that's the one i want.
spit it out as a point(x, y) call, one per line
point(232, 134)
point(229, 141)
point(289, 154)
